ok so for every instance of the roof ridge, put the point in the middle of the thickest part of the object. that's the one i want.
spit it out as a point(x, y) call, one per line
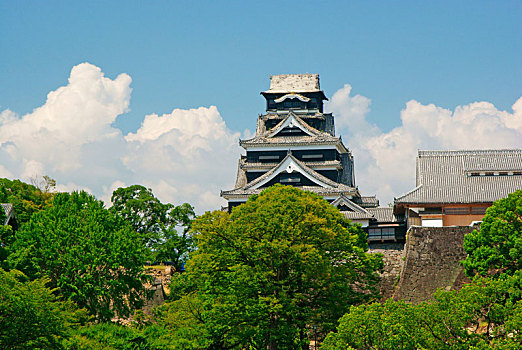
point(408, 193)
point(467, 152)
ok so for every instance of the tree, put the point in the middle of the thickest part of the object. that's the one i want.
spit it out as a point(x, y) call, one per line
point(30, 316)
point(156, 223)
point(26, 199)
point(497, 247)
point(280, 265)
point(484, 314)
point(93, 256)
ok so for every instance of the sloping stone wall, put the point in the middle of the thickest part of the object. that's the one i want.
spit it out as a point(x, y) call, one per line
point(393, 258)
point(432, 261)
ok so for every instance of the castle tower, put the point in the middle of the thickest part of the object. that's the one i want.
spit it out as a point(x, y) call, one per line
point(295, 144)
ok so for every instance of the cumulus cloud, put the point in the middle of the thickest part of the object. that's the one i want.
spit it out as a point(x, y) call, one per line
point(190, 155)
point(187, 155)
point(385, 161)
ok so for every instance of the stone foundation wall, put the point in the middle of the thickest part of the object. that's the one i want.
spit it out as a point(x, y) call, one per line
point(393, 257)
point(432, 257)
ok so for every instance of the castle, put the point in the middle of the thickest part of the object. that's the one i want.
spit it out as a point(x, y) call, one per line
point(295, 144)
point(421, 236)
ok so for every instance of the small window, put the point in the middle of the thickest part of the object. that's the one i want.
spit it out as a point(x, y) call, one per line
point(456, 211)
point(268, 157)
point(312, 156)
point(478, 210)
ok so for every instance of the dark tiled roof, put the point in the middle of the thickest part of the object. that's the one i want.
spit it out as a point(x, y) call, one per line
point(367, 202)
point(313, 164)
point(355, 215)
point(355, 212)
point(385, 215)
point(240, 192)
point(263, 140)
point(454, 176)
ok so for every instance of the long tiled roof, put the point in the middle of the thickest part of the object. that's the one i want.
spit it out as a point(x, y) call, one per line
point(324, 192)
point(355, 212)
point(367, 201)
point(465, 176)
point(313, 164)
point(323, 139)
point(380, 215)
point(385, 215)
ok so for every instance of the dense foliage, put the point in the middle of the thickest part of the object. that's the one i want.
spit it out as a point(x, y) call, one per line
point(497, 247)
point(26, 199)
point(93, 256)
point(276, 273)
point(279, 266)
point(30, 316)
point(484, 314)
point(156, 223)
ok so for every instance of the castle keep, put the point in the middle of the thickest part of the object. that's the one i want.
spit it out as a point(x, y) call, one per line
point(295, 144)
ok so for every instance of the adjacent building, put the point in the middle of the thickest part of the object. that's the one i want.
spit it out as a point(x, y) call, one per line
point(454, 188)
point(295, 144)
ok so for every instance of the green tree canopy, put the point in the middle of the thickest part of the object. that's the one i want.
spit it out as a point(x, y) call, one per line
point(497, 247)
point(30, 316)
point(156, 223)
point(280, 265)
point(485, 314)
point(92, 255)
point(26, 199)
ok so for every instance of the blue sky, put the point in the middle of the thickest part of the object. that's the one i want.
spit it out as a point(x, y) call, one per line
point(185, 55)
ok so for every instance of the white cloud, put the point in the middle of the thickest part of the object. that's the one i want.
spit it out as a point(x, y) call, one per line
point(190, 155)
point(385, 162)
point(187, 155)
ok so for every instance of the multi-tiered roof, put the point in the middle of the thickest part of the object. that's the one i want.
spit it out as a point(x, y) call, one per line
point(295, 144)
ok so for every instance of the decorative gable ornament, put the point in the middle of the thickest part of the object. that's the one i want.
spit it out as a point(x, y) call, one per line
point(292, 96)
point(290, 165)
point(293, 121)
